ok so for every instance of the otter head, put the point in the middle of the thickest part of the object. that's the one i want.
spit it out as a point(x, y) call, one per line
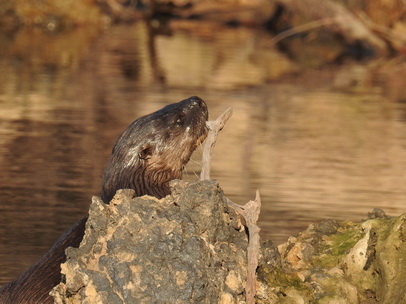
point(155, 148)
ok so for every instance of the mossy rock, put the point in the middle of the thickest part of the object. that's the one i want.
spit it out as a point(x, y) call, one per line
point(352, 263)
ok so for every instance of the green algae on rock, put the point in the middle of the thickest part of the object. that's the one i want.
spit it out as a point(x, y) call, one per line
point(359, 263)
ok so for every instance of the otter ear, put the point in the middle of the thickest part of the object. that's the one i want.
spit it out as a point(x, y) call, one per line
point(145, 152)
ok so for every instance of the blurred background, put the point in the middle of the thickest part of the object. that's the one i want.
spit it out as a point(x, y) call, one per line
point(318, 91)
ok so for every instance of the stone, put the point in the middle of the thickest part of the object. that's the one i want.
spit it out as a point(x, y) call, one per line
point(191, 247)
point(181, 249)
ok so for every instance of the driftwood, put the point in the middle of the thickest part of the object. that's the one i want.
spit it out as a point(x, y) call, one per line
point(397, 40)
point(338, 19)
point(250, 211)
point(303, 28)
point(214, 128)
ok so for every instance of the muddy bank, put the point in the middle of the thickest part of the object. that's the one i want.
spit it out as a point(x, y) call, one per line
point(191, 247)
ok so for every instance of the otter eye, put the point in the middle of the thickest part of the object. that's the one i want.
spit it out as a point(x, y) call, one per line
point(145, 153)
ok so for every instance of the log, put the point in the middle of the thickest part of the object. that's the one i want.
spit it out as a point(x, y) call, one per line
point(339, 20)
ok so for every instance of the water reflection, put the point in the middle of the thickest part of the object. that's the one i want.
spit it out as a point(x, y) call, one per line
point(326, 143)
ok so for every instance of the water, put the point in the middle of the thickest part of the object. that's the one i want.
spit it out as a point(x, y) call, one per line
point(322, 143)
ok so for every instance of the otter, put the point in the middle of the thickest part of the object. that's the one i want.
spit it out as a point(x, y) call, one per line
point(154, 149)
point(151, 152)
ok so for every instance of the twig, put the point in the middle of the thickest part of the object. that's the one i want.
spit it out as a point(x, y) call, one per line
point(250, 211)
point(303, 28)
point(215, 127)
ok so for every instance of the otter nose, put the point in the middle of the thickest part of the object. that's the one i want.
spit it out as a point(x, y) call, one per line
point(195, 101)
point(196, 106)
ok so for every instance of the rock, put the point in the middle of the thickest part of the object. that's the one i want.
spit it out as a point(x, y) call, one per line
point(190, 247)
point(359, 263)
point(181, 249)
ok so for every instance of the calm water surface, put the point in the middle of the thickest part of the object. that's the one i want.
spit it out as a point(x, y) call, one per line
point(321, 143)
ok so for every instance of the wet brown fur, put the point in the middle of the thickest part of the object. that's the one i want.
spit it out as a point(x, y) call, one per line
point(152, 151)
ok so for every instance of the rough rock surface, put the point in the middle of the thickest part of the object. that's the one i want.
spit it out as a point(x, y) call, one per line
point(191, 248)
point(342, 262)
point(185, 248)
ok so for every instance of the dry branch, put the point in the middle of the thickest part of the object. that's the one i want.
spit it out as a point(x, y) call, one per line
point(215, 127)
point(303, 28)
point(345, 23)
point(250, 211)
point(397, 40)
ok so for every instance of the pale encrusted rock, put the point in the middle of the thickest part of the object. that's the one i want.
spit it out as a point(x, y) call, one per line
point(191, 248)
point(181, 249)
point(343, 262)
